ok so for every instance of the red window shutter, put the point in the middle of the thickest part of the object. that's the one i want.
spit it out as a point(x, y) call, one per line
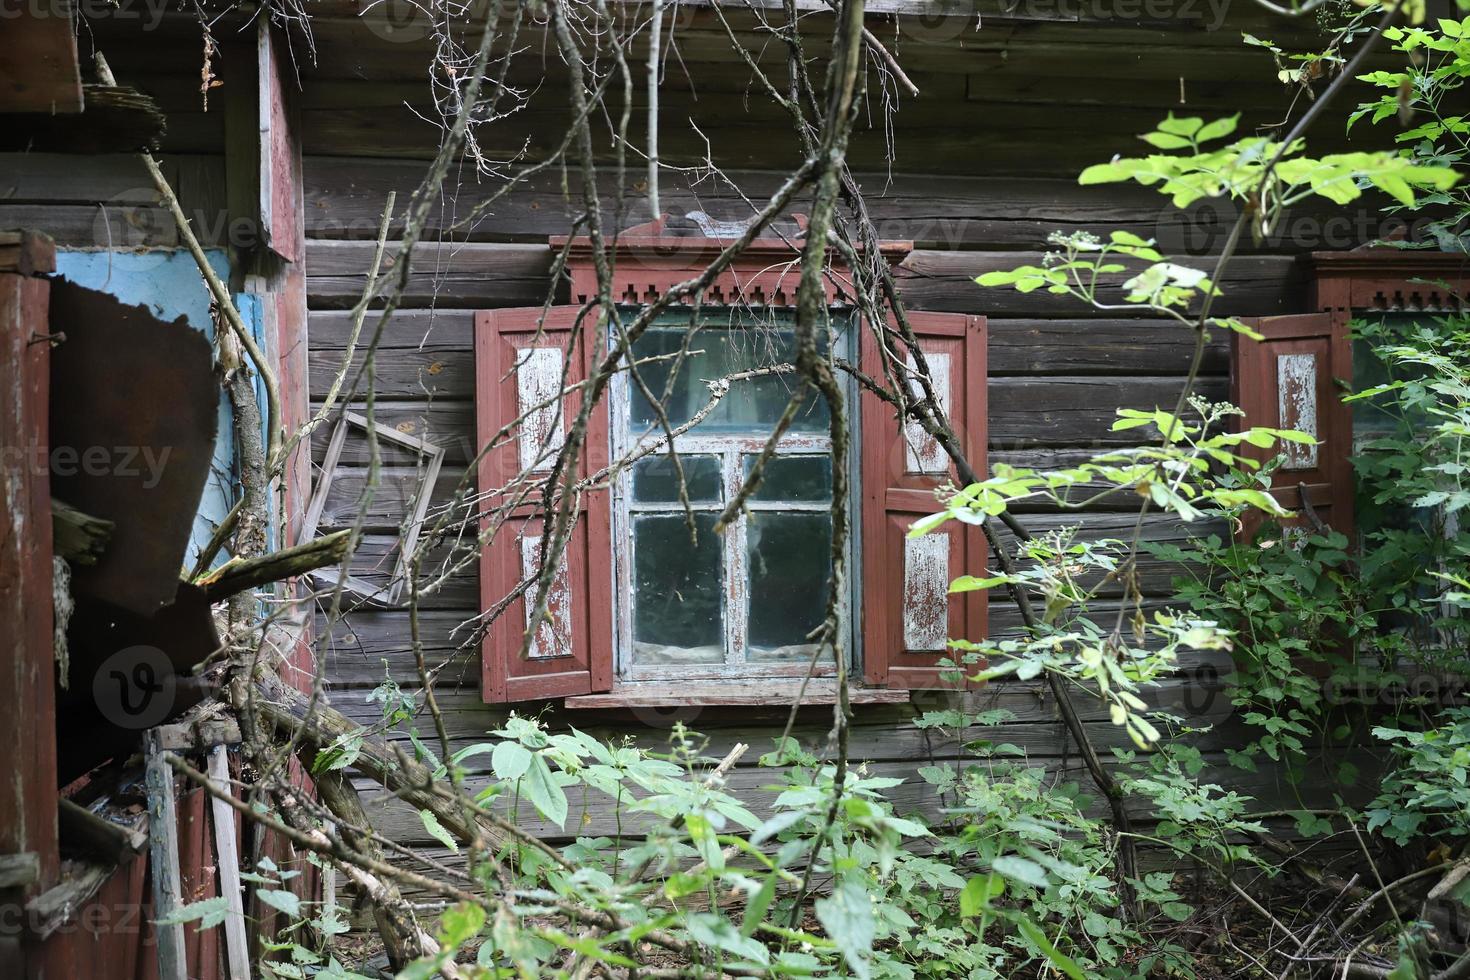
point(907, 611)
point(1290, 380)
point(520, 357)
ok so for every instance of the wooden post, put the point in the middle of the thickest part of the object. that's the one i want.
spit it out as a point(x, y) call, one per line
point(28, 841)
point(227, 854)
point(163, 846)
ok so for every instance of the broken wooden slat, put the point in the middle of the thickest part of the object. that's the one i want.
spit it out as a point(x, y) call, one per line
point(227, 853)
point(27, 252)
point(39, 71)
point(198, 735)
point(98, 836)
point(55, 907)
point(19, 870)
point(163, 836)
point(117, 120)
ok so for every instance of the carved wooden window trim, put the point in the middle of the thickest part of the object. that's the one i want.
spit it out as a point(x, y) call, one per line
point(896, 473)
point(1315, 348)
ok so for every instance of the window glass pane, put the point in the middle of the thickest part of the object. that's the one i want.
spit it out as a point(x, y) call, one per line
point(1380, 418)
point(677, 595)
point(656, 481)
point(790, 566)
point(802, 479)
point(752, 405)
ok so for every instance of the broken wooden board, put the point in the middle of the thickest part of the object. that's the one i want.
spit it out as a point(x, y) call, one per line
point(38, 61)
point(117, 120)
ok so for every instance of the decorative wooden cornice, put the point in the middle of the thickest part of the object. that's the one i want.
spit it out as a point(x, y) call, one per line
point(650, 259)
point(1391, 280)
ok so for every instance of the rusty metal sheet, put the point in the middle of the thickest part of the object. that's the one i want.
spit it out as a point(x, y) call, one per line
point(134, 412)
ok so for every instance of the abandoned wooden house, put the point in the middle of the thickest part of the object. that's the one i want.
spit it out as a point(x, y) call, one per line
point(284, 140)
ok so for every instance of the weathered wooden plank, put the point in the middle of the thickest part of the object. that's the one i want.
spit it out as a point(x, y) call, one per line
point(368, 646)
point(28, 805)
point(345, 197)
point(591, 814)
point(1086, 347)
point(924, 30)
point(430, 372)
point(433, 355)
point(478, 275)
point(1025, 413)
point(945, 280)
point(879, 733)
point(163, 842)
point(109, 202)
point(752, 693)
point(444, 329)
point(39, 70)
point(227, 851)
point(399, 486)
point(483, 275)
point(981, 139)
point(117, 179)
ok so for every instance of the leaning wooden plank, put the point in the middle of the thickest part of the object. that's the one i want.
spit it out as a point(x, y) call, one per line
point(227, 853)
point(57, 906)
point(163, 835)
point(98, 836)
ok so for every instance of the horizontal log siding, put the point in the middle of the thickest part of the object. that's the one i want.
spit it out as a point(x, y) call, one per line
point(985, 169)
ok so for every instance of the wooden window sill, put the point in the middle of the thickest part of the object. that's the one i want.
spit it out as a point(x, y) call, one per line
point(765, 694)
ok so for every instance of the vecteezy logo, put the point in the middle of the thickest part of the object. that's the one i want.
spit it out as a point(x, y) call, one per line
point(134, 688)
point(399, 21)
point(938, 24)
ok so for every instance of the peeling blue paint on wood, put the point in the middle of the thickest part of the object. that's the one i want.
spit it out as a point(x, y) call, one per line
point(168, 284)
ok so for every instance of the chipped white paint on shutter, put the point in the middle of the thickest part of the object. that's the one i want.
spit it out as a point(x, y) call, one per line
point(1296, 403)
point(926, 592)
point(924, 455)
point(538, 379)
point(553, 637)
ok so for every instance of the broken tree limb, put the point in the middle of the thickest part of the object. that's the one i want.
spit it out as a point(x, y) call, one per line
point(412, 781)
point(235, 577)
point(395, 919)
point(296, 825)
point(217, 288)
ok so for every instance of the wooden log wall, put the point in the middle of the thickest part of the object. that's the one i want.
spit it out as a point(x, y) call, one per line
point(976, 171)
point(981, 168)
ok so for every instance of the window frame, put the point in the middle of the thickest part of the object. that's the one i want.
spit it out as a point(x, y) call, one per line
point(732, 449)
